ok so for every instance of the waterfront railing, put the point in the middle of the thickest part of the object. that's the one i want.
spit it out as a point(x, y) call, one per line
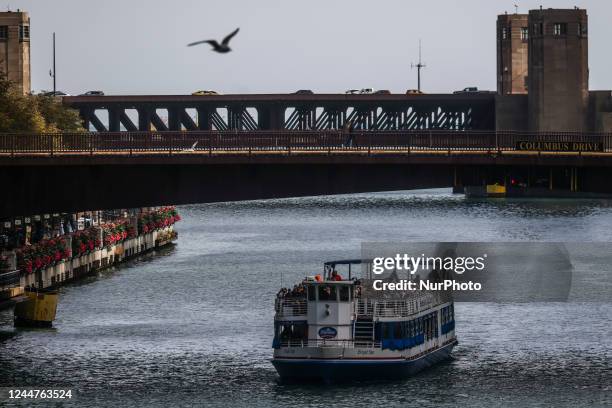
point(211, 142)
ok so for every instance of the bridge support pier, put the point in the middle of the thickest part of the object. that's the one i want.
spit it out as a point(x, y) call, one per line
point(574, 179)
point(550, 179)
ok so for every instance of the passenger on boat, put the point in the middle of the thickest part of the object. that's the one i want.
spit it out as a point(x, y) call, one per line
point(335, 276)
point(326, 293)
point(282, 293)
point(318, 277)
point(297, 291)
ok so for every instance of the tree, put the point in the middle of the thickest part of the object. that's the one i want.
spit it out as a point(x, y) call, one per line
point(17, 113)
point(35, 114)
point(58, 117)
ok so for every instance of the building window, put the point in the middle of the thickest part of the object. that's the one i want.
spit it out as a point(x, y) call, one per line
point(559, 29)
point(24, 32)
point(538, 29)
point(3, 32)
point(504, 34)
point(582, 30)
point(524, 33)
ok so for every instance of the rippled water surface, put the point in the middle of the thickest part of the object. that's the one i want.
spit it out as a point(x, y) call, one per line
point(192, 325)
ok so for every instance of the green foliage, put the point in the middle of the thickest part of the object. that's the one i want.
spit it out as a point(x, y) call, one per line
point(38, 114)
point(58, 117)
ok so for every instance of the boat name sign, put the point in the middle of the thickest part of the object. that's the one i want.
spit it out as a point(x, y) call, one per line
point(327, 332)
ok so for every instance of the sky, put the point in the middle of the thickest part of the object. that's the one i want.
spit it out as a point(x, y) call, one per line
point(139, 46)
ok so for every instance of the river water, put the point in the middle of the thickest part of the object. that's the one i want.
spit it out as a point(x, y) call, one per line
point(192, 325)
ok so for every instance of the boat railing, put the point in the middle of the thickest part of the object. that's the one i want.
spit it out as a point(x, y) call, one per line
point(290, 307)
point(399, 308)
point(10, 279)
point(322, 343)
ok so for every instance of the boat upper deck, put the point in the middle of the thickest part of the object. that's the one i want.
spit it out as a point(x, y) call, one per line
point(296, 306)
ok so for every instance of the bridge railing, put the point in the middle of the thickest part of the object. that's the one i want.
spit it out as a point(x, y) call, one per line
point(263, 140)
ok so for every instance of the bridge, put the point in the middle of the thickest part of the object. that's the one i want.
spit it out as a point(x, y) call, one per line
point(286, 112)
point(73, 172)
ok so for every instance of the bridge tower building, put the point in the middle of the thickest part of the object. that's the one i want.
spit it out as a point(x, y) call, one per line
point(558, 79)
point(512, 53)
point(15, 48)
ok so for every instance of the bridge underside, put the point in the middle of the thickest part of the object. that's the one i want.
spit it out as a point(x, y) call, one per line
point(286, 112)
point(61, 184)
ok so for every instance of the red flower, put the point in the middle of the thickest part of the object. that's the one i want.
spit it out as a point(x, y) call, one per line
point(58, 255)
point(28, 266)
point(91, 245)
point(82, 248)
point(38, 263)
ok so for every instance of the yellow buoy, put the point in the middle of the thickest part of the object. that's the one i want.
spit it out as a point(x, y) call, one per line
point(37, 310)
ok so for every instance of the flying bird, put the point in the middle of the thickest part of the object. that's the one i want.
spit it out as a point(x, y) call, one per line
point(223, 47)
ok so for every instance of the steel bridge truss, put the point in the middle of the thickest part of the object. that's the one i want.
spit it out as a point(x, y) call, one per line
point(410, 114)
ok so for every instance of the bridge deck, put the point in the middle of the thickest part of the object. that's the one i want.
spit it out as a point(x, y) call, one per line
point(71, 172)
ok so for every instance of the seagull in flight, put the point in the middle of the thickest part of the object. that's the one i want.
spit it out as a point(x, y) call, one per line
point(223, 47)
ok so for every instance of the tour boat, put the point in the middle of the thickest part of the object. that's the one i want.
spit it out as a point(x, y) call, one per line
point(332, 328)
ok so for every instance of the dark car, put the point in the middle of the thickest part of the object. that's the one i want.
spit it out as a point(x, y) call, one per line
point(383, 92)
point(473, 90)
point(304, 92)
point(93, 93)
point(55, 93)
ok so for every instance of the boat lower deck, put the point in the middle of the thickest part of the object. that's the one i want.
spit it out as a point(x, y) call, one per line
point(369, 367)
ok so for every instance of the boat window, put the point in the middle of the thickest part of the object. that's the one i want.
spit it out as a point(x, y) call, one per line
point(312, 292)
point(386, 330)
point(289, 331)
point(397, 332)
point(327, 292)
point(344, 293)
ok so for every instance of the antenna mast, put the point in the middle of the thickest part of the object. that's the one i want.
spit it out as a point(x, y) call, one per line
point(418, 66)
point(54, 83)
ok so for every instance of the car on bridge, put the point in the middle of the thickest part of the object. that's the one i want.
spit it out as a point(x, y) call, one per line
point(367, 91)
point(54, 93)
point(414, 92)
point(205, 93)
point(303, 92)
point(92, 93)
point(352, 91)
point(382, 92)
point(472, 90)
